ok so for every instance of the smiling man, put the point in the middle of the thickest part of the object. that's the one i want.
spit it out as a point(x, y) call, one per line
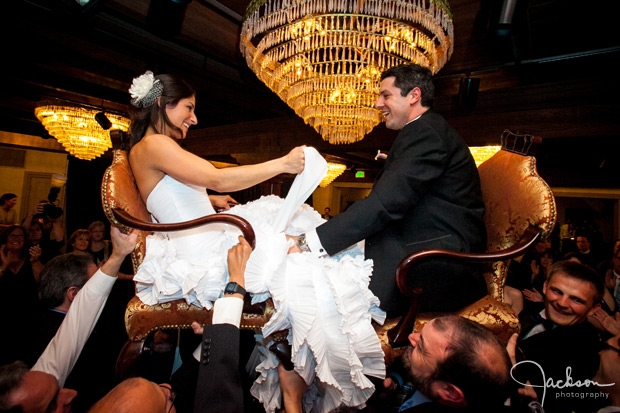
point(427, 196)
point(562, 338)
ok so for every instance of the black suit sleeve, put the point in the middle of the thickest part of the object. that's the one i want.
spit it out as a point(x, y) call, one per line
point(219, 387)
point(415, 162)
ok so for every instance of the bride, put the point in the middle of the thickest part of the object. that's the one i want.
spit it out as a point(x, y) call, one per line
point(323, 302)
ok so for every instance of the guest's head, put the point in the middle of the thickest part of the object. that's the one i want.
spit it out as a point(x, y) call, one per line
point(27, 391)
point(62, 278)
point(8, 200)
point(572, 292)
point(547, 258)
point(79, 242)
point(156, 109)
point(14, 240)
point(616, 246)
point(583, 242)
point(543, 245)
point(97, 231)
point(137, 395)
point(35, 233)
point(460, 363)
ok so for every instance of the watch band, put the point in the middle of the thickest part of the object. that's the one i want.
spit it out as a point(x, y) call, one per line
point(234, 288)
point(302, 243)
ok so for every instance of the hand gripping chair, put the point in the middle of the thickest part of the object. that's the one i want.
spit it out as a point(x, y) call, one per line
point(520, 210)
point(124, 208)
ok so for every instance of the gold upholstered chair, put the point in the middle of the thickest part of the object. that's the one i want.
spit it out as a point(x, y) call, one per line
point(124, 208)
point(520, 210)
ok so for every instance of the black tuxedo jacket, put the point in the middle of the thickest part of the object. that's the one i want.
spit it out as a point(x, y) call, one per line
point(575, 346)
point(427, 196)
point(219, 387)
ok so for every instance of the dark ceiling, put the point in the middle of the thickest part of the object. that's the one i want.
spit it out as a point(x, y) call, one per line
point(551, 71)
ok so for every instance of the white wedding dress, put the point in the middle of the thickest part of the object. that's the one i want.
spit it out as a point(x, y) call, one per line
point(325, 303)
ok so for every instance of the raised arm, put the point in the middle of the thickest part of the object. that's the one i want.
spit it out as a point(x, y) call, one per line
point(156, 155)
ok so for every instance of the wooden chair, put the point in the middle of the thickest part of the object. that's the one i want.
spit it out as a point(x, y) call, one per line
point(520, 210)
point(124, 208)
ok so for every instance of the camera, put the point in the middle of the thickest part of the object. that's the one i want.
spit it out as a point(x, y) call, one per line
point(50, 209)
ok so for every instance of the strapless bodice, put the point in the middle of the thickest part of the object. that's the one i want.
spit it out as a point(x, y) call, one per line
point(172, 201)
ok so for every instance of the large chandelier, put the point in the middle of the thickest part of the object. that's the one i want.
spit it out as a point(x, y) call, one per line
point(324, 58)
point(77, 130)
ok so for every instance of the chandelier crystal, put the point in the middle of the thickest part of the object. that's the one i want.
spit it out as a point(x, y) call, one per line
point(76, 129)
point(324, 58)
point(334, 170)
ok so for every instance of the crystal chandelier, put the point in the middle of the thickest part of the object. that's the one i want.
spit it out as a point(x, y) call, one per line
point(324, 58)
point(334, 170)
point(77, 130)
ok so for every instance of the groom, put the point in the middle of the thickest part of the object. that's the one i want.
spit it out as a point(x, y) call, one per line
point(427, 196)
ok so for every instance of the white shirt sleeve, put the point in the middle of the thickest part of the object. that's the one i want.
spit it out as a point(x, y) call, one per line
point(226, 310)
point(62, 352)
point(312, 238)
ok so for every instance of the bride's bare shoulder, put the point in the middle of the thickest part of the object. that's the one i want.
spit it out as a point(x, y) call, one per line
point(150, 145)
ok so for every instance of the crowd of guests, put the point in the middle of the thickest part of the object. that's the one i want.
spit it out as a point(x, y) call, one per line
point(566, 357)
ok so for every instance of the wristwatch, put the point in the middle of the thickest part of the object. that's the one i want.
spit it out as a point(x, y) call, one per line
point(234, 288)
point(302, 244)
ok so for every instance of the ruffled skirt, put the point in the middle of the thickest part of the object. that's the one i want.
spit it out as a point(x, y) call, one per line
point(324, 303)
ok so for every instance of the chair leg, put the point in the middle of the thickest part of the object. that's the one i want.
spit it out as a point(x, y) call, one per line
point(398, 336)
point(282, 349)
point(127, 358)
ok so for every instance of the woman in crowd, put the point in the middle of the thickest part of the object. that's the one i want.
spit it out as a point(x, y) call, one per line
point(173, 183)
point(19, 274)
point(49, 248)
point(99, 246)
point(79, 242)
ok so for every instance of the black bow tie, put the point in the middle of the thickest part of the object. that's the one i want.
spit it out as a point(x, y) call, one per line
point(547, 324)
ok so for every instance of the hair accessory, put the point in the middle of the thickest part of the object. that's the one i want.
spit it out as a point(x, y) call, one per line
point(145, 90)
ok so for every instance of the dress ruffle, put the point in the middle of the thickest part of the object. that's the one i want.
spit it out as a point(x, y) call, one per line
point(324, 302)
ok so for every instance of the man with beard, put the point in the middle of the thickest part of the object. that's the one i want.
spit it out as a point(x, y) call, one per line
point(456, 365)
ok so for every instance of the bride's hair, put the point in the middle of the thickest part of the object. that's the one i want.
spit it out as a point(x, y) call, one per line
point(154, 115)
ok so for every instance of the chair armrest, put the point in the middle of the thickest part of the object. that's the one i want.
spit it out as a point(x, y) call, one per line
point(125, 219)
point(398, 335)
point(531, 235)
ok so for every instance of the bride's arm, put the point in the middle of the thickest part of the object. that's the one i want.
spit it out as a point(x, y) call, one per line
point(163, 154)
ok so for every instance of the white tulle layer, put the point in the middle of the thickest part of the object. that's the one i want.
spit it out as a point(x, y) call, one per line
point(325, 303)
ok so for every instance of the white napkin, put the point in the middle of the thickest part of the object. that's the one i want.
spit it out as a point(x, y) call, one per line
point(305, 183)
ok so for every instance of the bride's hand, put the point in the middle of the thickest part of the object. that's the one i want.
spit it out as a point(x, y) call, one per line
point(295, 160)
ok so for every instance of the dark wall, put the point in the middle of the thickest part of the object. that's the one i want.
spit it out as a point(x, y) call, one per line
point(84, 193)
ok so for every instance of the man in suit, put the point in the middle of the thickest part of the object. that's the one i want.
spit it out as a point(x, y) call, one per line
point(456, 365)
point(427, 196)
point(562, 338)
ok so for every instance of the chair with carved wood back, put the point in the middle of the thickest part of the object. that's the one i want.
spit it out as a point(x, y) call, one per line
point(124, 208)
point(520, 210)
